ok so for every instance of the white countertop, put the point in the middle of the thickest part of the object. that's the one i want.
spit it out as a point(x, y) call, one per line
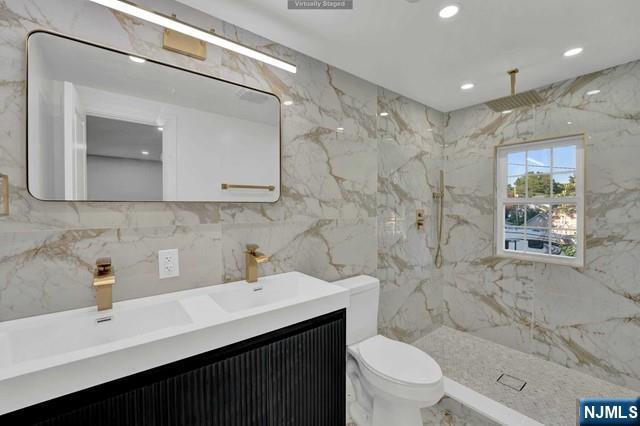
point(51, 355)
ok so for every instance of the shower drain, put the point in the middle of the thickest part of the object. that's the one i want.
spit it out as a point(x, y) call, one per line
point(511, 382)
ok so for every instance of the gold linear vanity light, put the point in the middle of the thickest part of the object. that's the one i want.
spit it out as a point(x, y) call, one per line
point(184, 44)
point(191, 31)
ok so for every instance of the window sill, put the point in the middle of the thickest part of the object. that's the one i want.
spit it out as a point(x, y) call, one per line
point(538, 258)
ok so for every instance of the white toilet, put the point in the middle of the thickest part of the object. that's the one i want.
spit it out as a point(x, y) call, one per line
point(392, 381)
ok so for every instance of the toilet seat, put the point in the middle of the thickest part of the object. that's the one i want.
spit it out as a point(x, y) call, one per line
point(399, 362)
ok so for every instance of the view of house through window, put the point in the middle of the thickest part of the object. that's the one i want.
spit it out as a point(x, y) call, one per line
point(540, 200)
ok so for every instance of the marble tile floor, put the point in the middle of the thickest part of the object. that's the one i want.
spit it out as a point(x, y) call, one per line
point(549, 396)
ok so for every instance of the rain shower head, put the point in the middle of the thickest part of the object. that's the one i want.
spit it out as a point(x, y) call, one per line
point(515, 100)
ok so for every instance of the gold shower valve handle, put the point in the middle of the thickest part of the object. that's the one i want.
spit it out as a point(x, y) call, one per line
point(420, 219)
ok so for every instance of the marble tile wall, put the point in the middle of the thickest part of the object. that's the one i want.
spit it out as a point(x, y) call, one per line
point(586, 319)
point(325, 223)
point(409, 162)
point(348, 202)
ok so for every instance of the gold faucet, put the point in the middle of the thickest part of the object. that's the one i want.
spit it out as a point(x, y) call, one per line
point(252, 259)
point(103, 281)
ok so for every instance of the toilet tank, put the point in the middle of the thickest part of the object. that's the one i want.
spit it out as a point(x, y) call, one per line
point(362, 313)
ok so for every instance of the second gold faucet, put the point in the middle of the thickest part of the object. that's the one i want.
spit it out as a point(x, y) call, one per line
point(103, 281)
point(252, 259)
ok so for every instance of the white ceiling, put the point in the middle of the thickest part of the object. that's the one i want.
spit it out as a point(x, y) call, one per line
point(407, 48)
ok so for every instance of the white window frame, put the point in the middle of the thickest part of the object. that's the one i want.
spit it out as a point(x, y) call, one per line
point(501, 198)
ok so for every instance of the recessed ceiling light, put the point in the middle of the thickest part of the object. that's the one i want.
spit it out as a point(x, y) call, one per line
point(593, 92)
point(288, 103)
point(449, 11)
point(340, 129)
point(569, 122)
point(467, 86)
point(573, 52)
point(160, 129)
point(144, 152)
point(384, 114)
point(137, 60)
point(507, 111)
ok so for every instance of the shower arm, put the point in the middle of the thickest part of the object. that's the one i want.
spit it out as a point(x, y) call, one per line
point(512, 73)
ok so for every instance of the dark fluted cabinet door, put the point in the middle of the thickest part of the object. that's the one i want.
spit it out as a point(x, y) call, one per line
point(136, 407)
point(308, 378)
point(294, 376)
point(234, 391)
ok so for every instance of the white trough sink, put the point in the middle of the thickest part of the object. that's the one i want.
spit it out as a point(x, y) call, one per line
point(266, 292)
point(47, 356)
point(48, 335)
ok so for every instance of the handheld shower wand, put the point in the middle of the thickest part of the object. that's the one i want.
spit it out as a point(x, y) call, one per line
point(439, 196)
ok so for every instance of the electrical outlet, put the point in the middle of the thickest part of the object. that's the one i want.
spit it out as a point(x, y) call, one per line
point(169, 263)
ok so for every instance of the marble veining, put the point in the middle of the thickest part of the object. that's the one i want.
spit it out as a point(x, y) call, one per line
point(324, 224)
point(49, 271)
point(348, 201)
point(409, 159)
point(586, 319)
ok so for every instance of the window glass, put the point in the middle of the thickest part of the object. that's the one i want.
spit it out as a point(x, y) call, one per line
point(516, 187)
point(564, 217)
point(515, 238)
point(517, 158)
point(516, 169)
point(564, 158)
point(539, 158)
point(538, 215)
point(564, 184)
point(538, 185)
point(515, 214)
point(516, 163)
point(564, 244)
point(538, 201)
point(538, 240)
point(538, 170)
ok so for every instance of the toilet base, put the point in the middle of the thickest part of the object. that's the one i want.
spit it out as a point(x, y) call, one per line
point(371, 408)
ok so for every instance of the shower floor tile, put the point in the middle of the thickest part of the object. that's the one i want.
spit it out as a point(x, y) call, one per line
point(551, 391)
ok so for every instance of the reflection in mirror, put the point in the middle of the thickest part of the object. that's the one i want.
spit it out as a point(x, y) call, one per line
point(120, 152)
point(106, 126)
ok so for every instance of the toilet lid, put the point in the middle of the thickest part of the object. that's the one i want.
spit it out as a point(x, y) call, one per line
point(399, 361)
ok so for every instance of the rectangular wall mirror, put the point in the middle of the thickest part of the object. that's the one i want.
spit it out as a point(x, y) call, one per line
point(107, 126)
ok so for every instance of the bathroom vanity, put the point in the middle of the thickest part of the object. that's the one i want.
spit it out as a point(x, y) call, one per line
point(271, 352)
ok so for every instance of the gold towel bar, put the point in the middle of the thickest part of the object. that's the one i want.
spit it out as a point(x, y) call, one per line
point(226, 186)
